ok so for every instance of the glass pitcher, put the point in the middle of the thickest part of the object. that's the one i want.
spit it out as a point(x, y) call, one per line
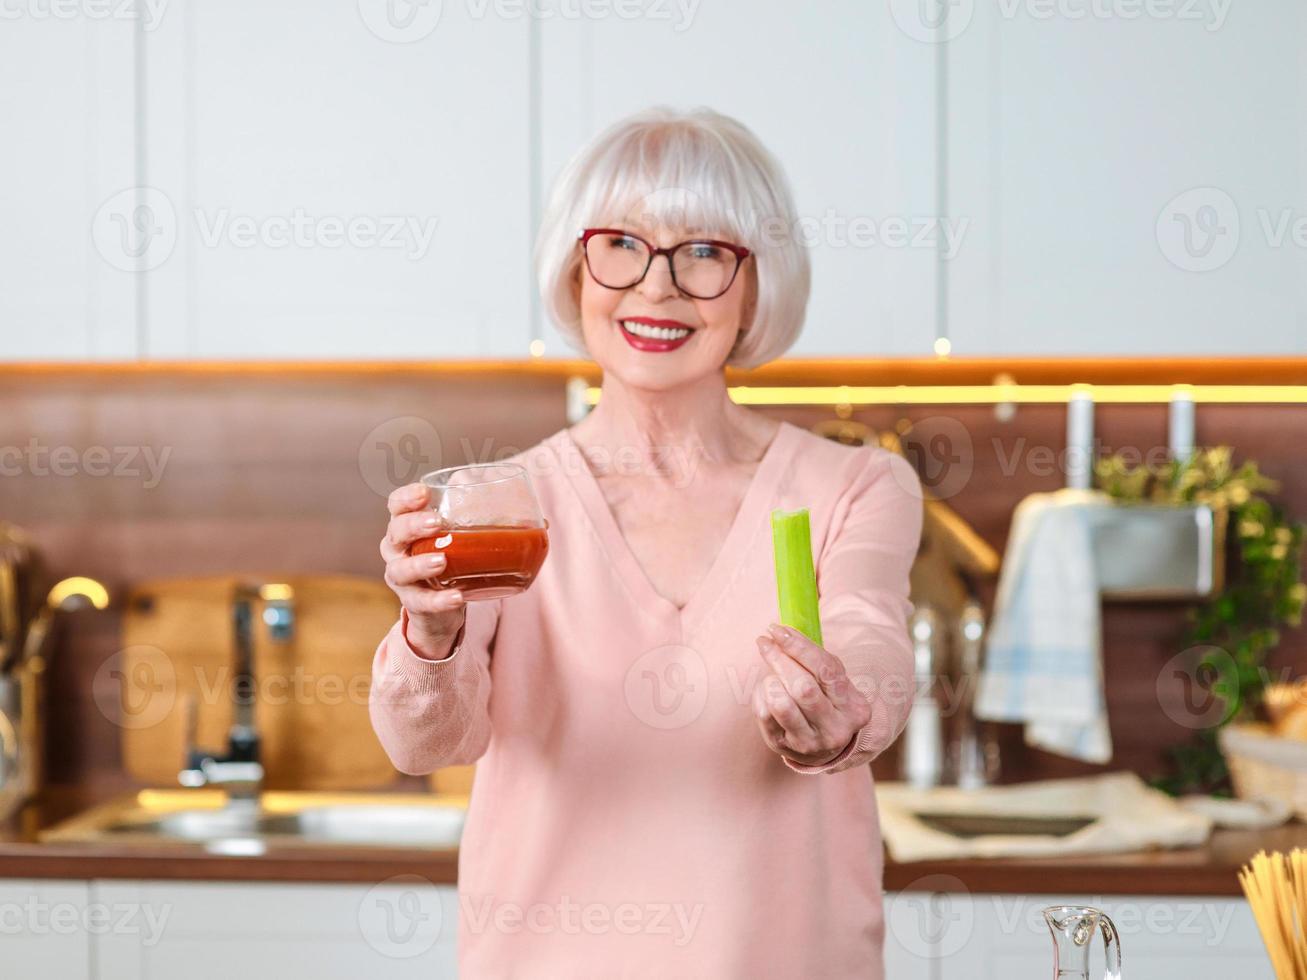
point(1073, 928)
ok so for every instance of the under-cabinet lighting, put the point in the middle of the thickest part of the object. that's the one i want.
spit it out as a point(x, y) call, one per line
point(1004, 394)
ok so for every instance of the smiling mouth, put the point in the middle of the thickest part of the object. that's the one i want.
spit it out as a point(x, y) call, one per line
point(656, 337)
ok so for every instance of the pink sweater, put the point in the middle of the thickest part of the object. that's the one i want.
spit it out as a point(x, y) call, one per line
point(627, 819)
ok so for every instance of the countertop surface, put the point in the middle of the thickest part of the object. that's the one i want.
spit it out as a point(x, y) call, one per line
point(22, 855)
point(1207, 870)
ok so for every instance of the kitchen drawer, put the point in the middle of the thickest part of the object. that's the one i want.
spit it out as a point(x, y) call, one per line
point(46, 928)
point(402, 928)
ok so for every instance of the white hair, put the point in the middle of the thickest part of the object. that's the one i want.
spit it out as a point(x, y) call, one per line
point(696, 170)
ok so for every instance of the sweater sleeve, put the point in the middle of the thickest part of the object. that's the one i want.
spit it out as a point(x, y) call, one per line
point(434, 713)
point(862, 581)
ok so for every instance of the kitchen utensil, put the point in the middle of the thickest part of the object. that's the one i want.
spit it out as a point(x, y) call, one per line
point(15, 600)
point(1148, 551)
point(10, 615)
point(1073, 928)
point(17, 780)
point(922, 760)
point(21, 760)
point(494, 537)
point(974, 753)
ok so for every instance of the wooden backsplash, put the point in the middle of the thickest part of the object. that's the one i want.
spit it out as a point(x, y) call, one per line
point(194, 471)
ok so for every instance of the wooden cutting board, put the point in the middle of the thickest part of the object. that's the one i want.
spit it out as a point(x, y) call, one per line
point(312, 686)
point(455, 780)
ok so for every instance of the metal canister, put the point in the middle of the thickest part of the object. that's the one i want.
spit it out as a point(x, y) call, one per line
point(922, 761)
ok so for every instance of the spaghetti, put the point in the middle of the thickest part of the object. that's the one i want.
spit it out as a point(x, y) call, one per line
point(1276, 886)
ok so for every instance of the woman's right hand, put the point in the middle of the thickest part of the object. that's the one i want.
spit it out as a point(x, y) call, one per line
point(434, 614)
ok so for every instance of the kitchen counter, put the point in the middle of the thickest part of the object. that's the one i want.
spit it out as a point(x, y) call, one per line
point(1211, 869)
point(22, 855)
point(1207, 870)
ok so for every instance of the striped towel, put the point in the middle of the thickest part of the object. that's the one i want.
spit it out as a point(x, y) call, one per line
point(1043, 662)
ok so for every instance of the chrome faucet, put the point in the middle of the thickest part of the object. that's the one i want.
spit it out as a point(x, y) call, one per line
point(239, 771)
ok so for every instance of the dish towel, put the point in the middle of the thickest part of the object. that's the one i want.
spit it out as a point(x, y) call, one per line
point(1127, 816)
point(1043, 662)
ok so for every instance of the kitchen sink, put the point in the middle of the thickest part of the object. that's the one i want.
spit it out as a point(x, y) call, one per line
point(279, 818)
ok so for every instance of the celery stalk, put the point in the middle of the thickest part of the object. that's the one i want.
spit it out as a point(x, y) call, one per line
point(796, 582)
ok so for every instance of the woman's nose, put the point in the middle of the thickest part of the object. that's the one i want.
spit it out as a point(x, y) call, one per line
point(657, 283)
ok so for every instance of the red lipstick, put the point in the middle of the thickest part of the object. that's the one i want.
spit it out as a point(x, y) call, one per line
point(658, 344)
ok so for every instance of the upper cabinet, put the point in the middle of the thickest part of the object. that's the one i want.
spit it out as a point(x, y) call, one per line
point(66, 115)
point(264, 179)
point(346, 180)
point(1133, 177)
point(837, 91)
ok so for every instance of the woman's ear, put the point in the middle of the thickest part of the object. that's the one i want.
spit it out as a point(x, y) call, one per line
point(575, 284)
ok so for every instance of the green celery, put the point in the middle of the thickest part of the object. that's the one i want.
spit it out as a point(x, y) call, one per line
point(796, 581)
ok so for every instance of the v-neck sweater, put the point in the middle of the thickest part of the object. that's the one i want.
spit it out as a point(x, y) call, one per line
point(626, 817)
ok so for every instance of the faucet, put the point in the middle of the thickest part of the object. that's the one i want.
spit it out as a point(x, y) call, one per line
point(239, 770)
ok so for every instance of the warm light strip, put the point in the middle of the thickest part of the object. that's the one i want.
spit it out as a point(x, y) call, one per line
point(1008, 394)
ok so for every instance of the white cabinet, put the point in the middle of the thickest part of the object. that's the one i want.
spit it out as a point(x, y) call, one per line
point(47, 927)
point(1134, 176)
point(402, 928)
point(935, 936)
point(912, 922)
point(341, 180)
point(842, 97)
point(407, 927)
point(66, 115)
point(262, 179)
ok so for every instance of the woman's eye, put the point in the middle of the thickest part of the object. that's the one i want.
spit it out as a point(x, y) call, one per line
point(623, 242)
point(704, 251)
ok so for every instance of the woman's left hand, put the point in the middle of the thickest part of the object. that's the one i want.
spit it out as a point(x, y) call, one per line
point(807, 707)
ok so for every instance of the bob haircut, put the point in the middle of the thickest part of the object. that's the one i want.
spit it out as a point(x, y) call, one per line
point(696, 172)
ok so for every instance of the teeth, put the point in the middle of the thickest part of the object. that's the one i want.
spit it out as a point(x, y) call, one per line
point(655, 333)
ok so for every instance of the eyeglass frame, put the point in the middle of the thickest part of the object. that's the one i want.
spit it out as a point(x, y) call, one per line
point(739, 251)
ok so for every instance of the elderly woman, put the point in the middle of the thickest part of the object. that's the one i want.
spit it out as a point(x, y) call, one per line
point(668, 783)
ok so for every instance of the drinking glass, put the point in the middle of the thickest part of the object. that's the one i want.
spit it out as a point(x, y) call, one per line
point(492, 533)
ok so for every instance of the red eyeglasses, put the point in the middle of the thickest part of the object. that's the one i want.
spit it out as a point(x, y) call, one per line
point(700, 268)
